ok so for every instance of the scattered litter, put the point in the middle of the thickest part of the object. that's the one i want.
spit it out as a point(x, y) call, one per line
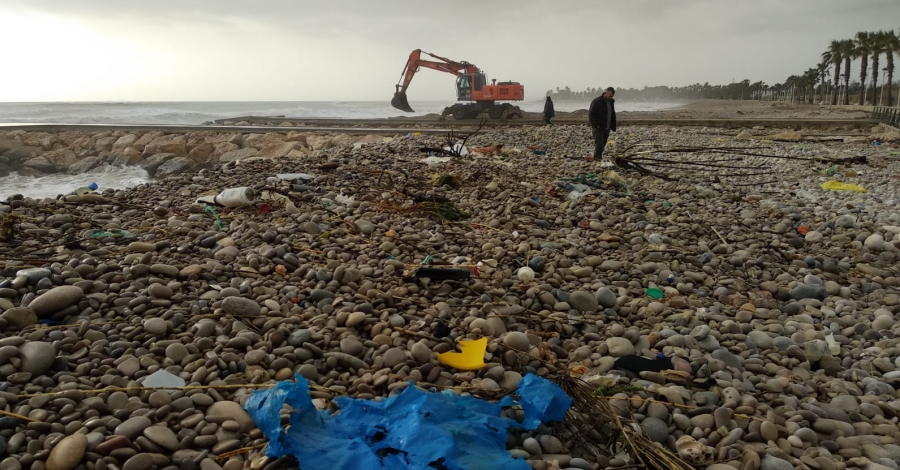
point(440, 274)
point(412, 430)
point(638, 364)
point(345, 200)
point(458, 149)
point(232, 197)
point(525, 274)
point(295, 176)
point(838, 186)
point(435, 159)
point(655, 293)
point(163, 379)
point(471, 356)
point(213, 213)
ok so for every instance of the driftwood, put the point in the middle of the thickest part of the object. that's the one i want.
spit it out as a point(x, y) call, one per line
point(451, 142)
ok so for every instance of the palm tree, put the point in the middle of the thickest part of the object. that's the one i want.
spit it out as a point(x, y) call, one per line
point(809, 84)
point(891, 43)
point(847, 49)
point(876, 49)
point(833, 56)
point(862, 51)
point(823, 77)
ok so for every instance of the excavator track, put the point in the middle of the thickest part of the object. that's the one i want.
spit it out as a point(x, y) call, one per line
point(462, 112)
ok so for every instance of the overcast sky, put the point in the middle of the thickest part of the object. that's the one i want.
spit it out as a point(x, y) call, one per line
point(281, 50)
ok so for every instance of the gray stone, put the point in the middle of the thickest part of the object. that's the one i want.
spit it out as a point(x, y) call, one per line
point(20, 317)
point(728, 358)
point(806, 291)
point(393, 356)
point(133, 427)
point(655, 429)
point(365, 227)
point(605, 297)
point(352, 346)
point(774, 463)
point(238, 155)
point(421, 352)
point(550, 444)
point(156, 326)
point(532, 446)
point(55, 300)
point(37, 357)
point(176, 352)
point(517, 340)
point(537, 263)
point(241, 306)
point(34, 274)
point(298, 338)
point(317, 295)
point(583, 301)
point(173, 167)
point(761, 339)
point(619, 347)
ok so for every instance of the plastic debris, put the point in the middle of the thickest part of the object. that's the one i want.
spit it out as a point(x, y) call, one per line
point(231, 197)
point(295, 176)
point(163, 379)
point(655, 293)
point(638, 364)
point(413, 430)
point(471, 357)
point(525, 274)
point(434, 159)
point(458, 149)
point(439, 274)
point(838, 186)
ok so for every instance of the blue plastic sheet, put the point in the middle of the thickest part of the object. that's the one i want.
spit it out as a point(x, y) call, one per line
point(413, 430)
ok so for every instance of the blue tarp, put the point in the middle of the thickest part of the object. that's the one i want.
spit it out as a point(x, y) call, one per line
point(411, 430)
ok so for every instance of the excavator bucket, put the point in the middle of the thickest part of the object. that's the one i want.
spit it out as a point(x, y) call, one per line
point(400, 102)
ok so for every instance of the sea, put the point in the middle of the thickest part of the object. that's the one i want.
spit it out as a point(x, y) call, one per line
point(201, 112)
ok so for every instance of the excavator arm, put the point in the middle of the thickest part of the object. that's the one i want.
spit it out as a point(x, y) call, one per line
point(415, 61)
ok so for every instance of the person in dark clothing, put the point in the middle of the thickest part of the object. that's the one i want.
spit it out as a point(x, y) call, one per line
point(549, 114)
point(602, 116)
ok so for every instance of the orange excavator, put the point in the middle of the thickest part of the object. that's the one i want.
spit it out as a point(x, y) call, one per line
point(471, 85)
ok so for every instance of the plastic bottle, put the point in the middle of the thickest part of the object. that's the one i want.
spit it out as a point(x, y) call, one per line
point(236, 197)
point(85, 189)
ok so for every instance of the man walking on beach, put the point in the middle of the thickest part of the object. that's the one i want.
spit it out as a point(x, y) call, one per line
point(602, 116)
point(548, 112)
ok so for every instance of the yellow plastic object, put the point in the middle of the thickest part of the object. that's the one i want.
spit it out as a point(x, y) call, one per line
point(471, 357)
point(838, 186)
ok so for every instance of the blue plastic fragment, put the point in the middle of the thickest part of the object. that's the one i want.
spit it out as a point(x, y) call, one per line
point(413, 430)
point(542, 400)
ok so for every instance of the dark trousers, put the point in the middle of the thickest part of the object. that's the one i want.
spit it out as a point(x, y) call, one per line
point(548, 120)
point(600, 137)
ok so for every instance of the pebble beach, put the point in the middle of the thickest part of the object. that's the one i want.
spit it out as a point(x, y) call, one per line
point(778, 301)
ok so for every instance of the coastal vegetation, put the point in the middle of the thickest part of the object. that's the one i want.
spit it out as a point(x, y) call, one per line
point(831, 81)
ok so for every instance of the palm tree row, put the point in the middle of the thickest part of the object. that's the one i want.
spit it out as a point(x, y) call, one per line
point(865, 46)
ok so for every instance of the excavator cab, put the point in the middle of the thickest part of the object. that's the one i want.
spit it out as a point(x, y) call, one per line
point(466, 83)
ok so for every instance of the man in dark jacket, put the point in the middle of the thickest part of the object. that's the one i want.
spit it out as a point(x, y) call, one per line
point(549, 114)
point(602, 116)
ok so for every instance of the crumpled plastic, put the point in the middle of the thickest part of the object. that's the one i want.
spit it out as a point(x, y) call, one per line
point(838, 186)
point(414, 430)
